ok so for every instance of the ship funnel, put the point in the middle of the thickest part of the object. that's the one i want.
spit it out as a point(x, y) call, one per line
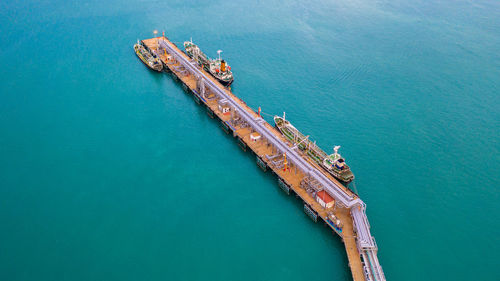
point(223, 65)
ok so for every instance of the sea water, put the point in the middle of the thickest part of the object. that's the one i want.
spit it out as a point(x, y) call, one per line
point(110, 171)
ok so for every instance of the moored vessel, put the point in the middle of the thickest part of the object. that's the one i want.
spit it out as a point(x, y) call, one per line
point(333, 163)
point(218, 68)
point(148, 58)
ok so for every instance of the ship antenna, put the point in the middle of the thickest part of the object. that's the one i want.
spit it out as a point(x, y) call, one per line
point(336, 149)
point(283, 116)
point(218, 52)
point(191, 40)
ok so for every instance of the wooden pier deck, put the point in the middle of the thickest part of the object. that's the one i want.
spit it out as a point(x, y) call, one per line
point(292, 177)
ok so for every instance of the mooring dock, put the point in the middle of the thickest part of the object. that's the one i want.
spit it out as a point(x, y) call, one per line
point(296, 173)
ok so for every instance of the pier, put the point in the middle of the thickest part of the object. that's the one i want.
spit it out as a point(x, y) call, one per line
point(296, 173)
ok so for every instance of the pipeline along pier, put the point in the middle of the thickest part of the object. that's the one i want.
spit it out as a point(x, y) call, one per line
point(296, 173)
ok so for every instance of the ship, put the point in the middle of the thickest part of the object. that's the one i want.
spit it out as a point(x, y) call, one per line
point(148, 58)
point(218, 68)
point(334, 164)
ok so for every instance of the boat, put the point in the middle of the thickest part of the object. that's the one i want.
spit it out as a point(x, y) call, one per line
point(334, 164)
point(218, 68)
point(335, 223)
point(148, 58)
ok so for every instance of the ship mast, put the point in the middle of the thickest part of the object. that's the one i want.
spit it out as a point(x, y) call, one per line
point(218, 52)
point(304, 139)
point(336, 149)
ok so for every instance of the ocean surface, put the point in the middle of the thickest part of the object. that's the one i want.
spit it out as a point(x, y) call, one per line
point(109, 171)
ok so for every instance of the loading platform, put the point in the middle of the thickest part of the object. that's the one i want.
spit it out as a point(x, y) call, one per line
point(296, 173)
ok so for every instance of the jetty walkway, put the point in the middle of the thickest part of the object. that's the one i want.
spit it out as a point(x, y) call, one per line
point(296, 173)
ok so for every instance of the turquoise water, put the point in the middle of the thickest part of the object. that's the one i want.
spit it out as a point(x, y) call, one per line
point(109, 171)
